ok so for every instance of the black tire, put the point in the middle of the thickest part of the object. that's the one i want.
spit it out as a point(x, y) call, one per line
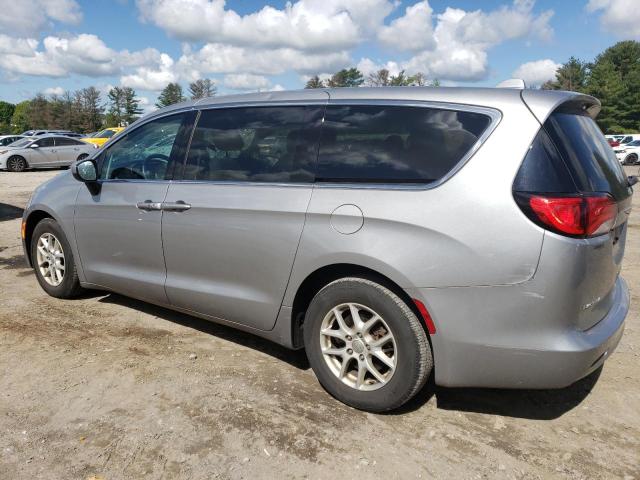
point(82, 156)
point(16, 164)
point(632, 159)
point(70, 285)
point(414, 360)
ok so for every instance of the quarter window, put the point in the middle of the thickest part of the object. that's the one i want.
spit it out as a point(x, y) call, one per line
point(255, 144)
point(387, 144)
point(144, 153)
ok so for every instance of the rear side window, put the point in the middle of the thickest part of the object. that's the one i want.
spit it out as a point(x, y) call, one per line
point(255, 144)
point(587, 155)
point(65, 142)
point(394, 144)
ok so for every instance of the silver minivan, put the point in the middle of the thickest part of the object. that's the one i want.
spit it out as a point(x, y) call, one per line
point(471, 234)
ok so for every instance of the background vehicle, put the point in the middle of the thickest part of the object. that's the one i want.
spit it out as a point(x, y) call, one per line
point(38, 133)
point(9, 139)
point(103, 136)
point(629, 153)
point(363, 225)
point(42, 152)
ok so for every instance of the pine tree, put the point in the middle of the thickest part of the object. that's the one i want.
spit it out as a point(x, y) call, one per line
point(351, 77)
point(314, 82)
point(116, 107)
point(202, 88)
point(130, 106)
point(171, 94)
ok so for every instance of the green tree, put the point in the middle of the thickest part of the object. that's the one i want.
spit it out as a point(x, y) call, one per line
point(202, 88)
point(171, 94)
point(314, 82)
point(39, 112)
point(605, 83)
point(351, 77)
point(130, 106)
point(88, 101)
point(20, 120)
point(381, 78)
point(6, 112)
point(571, 76)
point(116, 110)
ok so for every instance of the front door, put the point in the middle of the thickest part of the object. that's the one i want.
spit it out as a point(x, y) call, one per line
point(44, 155)
point(232, 224)
point(118, 229)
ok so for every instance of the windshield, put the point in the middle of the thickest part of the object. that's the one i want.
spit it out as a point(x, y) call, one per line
point(105, 134)
point(22, 143)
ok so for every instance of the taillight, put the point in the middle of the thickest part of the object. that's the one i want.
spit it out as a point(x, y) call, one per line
point(571, 215)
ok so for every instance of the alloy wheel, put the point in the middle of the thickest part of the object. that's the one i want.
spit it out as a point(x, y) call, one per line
point(50, 258)
point(358, 346)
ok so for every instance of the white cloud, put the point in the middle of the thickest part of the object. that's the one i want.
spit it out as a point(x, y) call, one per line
point(367, 66)
point(221, 58)
point(53, 91)
point(537, 72)
point(246, 81)
point(314, 25)
point(413, 31)
point(152, 78)
point(621, 17)
point(456, 48)
point(26, 18)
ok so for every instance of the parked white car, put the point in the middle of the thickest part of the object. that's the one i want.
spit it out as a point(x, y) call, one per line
point(43, 152)
point(629, 153)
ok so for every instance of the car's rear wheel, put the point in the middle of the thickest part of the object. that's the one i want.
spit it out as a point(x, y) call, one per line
point(53, 260)
point(631, 159)
point(365, 345)
point(16, 164)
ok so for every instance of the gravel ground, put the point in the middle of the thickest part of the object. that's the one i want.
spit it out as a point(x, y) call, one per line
point(105, 387)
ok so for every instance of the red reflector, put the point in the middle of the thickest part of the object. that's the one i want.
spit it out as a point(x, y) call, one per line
point(579, 216)
point(431, 327)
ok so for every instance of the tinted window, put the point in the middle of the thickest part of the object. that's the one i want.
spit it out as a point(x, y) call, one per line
point(45, 142)
point(589, 158)
point(258, 144)
point(143, 153)
point(543, 170)
point(394, 143)
point(22, 143)
point(65, 142)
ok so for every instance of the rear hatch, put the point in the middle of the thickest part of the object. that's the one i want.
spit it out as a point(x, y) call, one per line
point(571, 184)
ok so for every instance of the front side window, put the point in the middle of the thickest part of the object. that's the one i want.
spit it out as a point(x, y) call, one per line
point(255, 144)
point(45, 142)
point(144, 153)
point(393, 144)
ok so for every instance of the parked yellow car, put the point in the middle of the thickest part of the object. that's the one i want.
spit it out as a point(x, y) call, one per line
point(101, 138)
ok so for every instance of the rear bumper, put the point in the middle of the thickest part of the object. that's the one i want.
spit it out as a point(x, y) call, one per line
point(474, 347)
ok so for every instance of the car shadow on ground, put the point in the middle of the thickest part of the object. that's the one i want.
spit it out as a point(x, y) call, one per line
point(527, 404)
point(9, 212)
point(295, 358)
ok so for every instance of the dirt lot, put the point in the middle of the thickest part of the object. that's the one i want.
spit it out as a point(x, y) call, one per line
point(106, 387)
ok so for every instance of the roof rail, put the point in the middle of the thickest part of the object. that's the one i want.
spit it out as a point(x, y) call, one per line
point(513, 83)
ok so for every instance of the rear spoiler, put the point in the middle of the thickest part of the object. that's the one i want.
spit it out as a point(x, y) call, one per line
point(543, 103)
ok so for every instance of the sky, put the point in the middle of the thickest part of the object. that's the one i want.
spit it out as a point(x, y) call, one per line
point(50, 46)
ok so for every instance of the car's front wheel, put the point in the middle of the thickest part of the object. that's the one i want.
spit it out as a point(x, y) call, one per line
point(365, 345)
point(16, 164)
point(53, 260)
point(631, 159)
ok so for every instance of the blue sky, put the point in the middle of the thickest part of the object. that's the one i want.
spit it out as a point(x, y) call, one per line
point(54, 45)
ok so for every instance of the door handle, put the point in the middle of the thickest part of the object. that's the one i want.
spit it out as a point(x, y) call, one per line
point(148, 205)
point(178, 206)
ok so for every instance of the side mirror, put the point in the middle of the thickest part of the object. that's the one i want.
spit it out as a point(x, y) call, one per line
point(34, 145)
point(85, 171)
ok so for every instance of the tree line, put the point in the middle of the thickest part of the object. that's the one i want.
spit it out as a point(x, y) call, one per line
point(86, 111)
point(613, 77)
point(352, 77)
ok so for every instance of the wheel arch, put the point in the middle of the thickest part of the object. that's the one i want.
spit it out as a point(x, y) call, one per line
point(322, 276)
point(31, 221)
point(26, 163)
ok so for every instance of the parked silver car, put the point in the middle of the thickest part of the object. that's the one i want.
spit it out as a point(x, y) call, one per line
point(392, 232)
point(43, 152)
